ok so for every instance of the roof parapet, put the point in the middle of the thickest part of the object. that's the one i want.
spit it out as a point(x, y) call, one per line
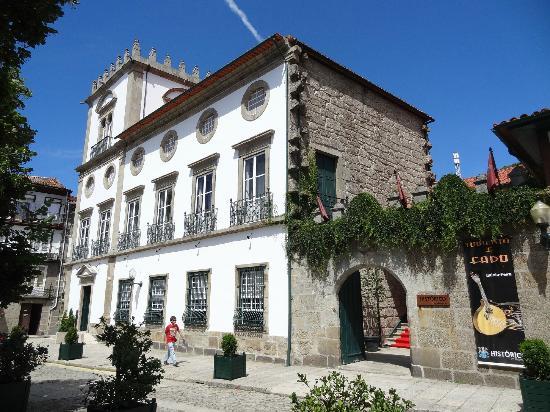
point(150, 60)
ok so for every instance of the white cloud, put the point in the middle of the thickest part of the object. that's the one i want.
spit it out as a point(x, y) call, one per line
point(235, 9)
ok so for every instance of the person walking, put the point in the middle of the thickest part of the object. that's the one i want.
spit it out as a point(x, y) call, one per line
point(170, 334)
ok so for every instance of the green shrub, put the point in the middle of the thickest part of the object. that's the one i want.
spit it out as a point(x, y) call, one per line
point(335, 393)
point(18, 358)
point(136, 375)
point(67, 322)
point(536, 358)
point(229, 344)
point(72, 336)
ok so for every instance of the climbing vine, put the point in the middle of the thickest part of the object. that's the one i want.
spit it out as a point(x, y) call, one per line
point(452, 212)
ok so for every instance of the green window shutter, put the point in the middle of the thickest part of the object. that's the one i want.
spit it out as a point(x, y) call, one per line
point(326, 180)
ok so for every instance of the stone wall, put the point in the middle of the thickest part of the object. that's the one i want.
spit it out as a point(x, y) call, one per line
point(442, 339)
point(371, 135)
point(257, 346)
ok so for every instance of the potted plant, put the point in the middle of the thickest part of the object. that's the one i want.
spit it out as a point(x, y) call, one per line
point(136, 375)
point(535, 380)
point(64, 325)
point(17, 360)
point(71, 349)
point(230, 365)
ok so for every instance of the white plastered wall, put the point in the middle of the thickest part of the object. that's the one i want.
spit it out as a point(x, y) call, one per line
point(97, 298)
point(155, 87)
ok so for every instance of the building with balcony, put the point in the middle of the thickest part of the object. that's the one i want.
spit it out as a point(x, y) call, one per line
point(38, 312)
point(184, 183)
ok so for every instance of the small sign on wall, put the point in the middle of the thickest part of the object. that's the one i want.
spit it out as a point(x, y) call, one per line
point(432, 300)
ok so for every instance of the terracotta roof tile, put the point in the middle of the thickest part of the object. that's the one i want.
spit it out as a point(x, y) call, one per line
point(522, 116)
point(503, 175)
point(46, 181)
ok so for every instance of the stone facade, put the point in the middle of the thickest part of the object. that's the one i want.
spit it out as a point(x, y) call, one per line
point(442, 339)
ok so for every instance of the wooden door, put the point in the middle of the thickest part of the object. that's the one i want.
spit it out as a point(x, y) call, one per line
point(352, 341)
point(85, 312)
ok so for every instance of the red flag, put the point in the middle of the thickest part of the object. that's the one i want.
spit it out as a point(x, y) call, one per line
point(492, 173)
point(322, 209)
point(401, 192)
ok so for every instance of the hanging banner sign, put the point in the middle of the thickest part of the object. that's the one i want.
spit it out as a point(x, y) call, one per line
point(494, 301)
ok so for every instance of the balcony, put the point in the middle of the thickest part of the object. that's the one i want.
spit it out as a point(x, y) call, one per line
point(80, 251)
point(251, 210)
point(129, 240)
point(195, 316)
point(153, 317)
point(100, 247)
point(39, 292)
point(100, 147)
point(201, 222)
point(248, 320)
point(160, 232)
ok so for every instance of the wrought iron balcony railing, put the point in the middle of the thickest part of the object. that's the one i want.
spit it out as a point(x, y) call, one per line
point(248, 320)
point(80, 251)
point(194, 316)
point(122, 315)
point(100, 247)
point(129, 240)
point(41, 292)
point(100, 147)
point(153, 317)
point(201, 222)
point(251, 210)
point(160, 232)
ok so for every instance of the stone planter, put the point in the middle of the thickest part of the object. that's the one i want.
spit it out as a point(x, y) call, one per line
point(60, 337)
point(535, 394)
point(14, 396)
point(68, 351)
point(372, 343)
point(229, 367)
point(150, 406)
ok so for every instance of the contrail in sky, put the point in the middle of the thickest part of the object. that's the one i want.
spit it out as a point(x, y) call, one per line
point(235, 9)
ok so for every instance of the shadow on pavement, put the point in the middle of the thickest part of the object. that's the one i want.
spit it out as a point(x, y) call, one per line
point(57, 395)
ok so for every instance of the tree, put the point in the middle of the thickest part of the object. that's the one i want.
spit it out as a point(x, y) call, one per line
point(24, 24)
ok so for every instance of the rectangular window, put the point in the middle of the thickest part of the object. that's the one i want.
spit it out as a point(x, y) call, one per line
point(164, 205)
point(326, 179)
point(195, 313)
point(132, 215)
point(124, 300)
point(250, 310)
point(54, 207)
point(203, 190)
point(84, 231)
point(254, 176)
point(104, 225)
point(155, 306)
point(106, 126)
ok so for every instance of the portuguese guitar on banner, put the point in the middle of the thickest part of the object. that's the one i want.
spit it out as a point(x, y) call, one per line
point(496, 314)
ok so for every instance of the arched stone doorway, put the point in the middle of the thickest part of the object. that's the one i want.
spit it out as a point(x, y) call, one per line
point(372, 313)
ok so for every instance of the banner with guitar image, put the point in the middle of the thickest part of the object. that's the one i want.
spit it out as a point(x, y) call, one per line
point(496, 314)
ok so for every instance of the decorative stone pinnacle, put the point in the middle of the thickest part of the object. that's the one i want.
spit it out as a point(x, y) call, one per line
point(105, 75)
point(153, 55)
point(207, 74)
point(126, 55)
point(118, 62)
point(94, 86)
point(196, 72)
point(112, 68)
point(168, 61)
point(181, 68)
point(99, 80)
point(136, 49)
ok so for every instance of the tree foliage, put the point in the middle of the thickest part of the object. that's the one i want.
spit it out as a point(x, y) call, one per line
point(24, 24)
point(19, 358)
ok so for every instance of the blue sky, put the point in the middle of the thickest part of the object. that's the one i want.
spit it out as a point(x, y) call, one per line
point(466, 64)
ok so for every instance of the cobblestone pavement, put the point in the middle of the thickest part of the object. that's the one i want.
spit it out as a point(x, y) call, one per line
point(57, 388)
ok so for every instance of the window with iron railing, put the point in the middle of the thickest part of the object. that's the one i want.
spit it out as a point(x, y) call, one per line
point(124, 300)
point(80, 249)
point(197, 299)
point(249, 313)
point(130, 238)
point(101, 245)
point(163, 228)
point(155, 306)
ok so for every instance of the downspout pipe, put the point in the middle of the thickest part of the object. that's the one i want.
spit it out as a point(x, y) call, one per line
point(62, 254)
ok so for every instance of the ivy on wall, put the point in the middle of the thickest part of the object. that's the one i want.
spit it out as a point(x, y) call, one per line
point(452, 212)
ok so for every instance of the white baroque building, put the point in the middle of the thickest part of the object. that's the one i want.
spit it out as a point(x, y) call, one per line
point(183, 190)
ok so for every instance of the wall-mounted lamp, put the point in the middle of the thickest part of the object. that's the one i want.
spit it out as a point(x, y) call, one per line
point(132, 277)
point(540, 213)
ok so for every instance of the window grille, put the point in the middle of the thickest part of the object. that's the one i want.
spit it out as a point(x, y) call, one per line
point(155, 306)
point(256, 99)
point(207, 125)
point(124, 300)
point(137, 159)
point(195, 313)
point(169, 144)
point(249, 314)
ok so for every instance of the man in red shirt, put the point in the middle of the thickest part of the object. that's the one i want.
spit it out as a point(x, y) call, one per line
point(170, 334)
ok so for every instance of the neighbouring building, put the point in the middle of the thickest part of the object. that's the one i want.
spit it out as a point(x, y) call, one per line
point(39, 311)
point(183, 187)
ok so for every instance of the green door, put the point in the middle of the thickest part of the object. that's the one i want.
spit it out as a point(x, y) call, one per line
point(86, 292)
point(352, 342)
point(326, 180)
